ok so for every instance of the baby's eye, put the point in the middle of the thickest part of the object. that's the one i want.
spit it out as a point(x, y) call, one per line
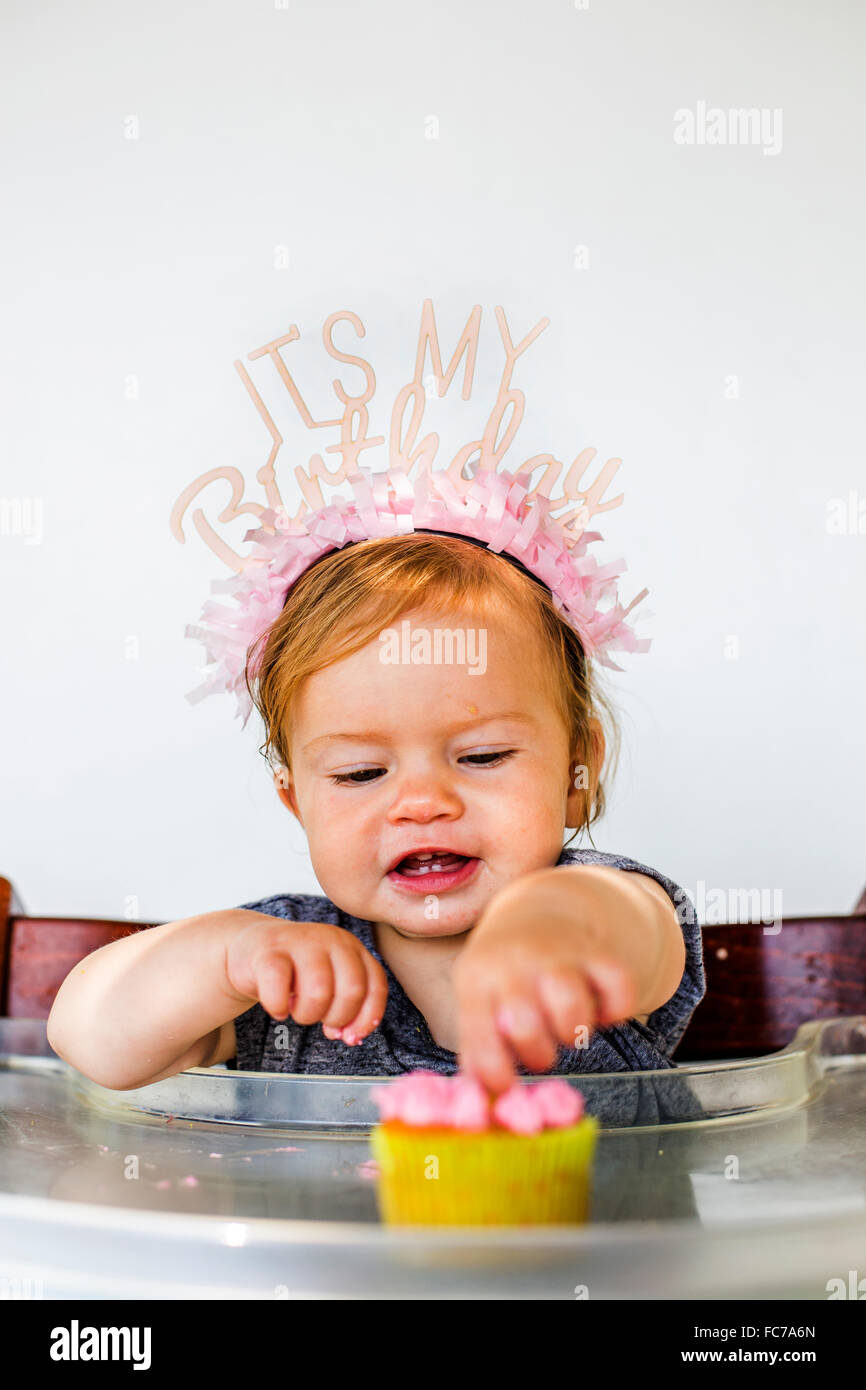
point(358, 778)
point(363, 775)
point(488, 759)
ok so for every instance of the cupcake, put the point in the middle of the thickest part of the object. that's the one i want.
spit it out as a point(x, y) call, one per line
point(449, 1155)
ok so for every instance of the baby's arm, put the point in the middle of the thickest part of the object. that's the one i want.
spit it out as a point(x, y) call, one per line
point(574, 945)
point(155, 1003)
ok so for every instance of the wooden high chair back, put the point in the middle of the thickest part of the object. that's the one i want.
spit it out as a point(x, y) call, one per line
point(760, 986)
point(37, 953)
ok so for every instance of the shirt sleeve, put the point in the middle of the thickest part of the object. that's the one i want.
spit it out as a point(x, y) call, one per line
point(668, 1023)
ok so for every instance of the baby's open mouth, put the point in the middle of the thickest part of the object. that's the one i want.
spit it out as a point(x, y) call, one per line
point(433, 862)
point(432, 871)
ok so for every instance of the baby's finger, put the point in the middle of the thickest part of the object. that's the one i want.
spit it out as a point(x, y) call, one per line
point(350, 989)
point(275, 983)
point(525, 1026)
point(615, 988)
point(482, 1051)
point(569, 1002)
point(372, 1009)
point(314, 985)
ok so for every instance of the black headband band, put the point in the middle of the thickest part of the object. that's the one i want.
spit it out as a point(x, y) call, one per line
point(425, 531)
point(454, 535)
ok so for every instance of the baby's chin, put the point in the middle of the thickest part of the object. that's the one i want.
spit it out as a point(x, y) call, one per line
point(414, 919)
point(416, 928)
point(421, 917)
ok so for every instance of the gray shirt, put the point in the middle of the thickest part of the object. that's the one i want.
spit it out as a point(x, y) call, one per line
point(403, 1040)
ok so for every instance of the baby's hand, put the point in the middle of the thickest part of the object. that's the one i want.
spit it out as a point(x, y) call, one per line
point(314, 971)
point(525, 986)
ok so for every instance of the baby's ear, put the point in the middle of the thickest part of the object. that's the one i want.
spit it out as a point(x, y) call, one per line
point(286, 791)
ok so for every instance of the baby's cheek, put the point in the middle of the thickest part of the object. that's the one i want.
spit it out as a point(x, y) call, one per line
point(530, 812)
point(323, 839)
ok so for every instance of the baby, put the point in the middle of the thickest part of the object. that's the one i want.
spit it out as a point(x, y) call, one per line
point(436, 728)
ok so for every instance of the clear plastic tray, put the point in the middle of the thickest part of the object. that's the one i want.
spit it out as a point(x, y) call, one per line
point(736, 1179)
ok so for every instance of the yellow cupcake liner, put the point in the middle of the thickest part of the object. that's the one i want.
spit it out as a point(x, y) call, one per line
point(440, 1176)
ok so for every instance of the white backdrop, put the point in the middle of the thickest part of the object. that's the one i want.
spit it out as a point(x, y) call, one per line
point(183, 183)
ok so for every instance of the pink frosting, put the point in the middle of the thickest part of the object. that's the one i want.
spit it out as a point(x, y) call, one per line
point(426, 1099)
point(546, 1105)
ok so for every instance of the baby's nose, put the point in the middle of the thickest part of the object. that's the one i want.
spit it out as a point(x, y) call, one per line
point(423, 798)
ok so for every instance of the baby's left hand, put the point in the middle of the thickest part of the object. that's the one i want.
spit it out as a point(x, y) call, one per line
point(523, 986)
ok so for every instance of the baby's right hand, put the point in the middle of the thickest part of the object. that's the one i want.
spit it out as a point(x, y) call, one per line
point(317, 972)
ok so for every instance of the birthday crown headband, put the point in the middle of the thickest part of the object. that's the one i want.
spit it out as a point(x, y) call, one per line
point(510, 513)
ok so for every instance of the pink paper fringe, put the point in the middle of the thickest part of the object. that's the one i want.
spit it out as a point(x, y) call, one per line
point(493, 509)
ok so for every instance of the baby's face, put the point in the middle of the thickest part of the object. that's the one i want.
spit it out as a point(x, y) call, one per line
point(466, 762)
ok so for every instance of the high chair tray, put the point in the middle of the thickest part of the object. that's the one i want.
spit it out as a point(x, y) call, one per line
point(742, 1179)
